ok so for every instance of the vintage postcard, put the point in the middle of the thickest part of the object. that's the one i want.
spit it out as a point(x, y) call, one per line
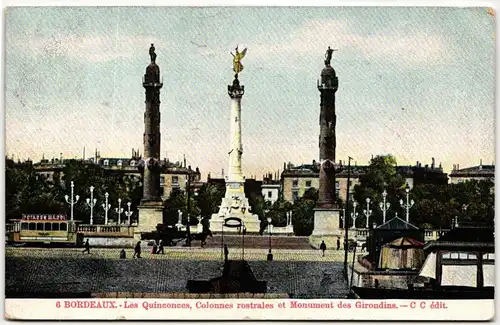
point(264, 163)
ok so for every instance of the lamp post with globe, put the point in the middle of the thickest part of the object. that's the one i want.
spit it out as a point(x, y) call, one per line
point(73, 199)
point(269, 230)
point(384, 206)
point(367, 212)
point(119, 210)
point(106, 206)
point(407, 206)
point(91, 203)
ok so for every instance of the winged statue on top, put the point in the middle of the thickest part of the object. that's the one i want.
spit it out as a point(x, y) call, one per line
point(237, 57)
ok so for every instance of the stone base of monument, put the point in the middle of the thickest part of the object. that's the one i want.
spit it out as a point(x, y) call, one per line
point(326, 228)
point(251, 222)
point(150, 215)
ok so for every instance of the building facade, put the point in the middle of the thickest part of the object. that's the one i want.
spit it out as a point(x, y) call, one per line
point(480, 172)
point(173, 176)
point(296, 180)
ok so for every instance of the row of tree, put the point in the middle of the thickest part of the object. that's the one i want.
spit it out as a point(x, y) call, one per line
point(28, 191)
point(435, 206)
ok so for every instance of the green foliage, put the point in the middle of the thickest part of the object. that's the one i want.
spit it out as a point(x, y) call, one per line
point(303, 216)
point(381, 174)
point(208, 199)
point(29, 192)
point(435, 206)
point(438, 205)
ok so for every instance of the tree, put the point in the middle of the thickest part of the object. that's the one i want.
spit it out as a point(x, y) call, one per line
point(128, 188)
point(208, 199)
point(178, 202)
point(381, 175)
point(28, 192)
point(303, 216)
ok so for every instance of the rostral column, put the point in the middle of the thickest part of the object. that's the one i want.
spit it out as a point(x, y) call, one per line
point(151, 207)
point(327, 212)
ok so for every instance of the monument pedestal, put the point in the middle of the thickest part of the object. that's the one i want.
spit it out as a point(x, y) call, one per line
point(251, 222)
point(326, 228)
point(150, 215)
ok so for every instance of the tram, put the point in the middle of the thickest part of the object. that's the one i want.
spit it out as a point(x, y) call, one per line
point(44, 229)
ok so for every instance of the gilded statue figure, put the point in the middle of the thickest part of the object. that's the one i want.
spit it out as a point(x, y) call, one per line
point(237, 57)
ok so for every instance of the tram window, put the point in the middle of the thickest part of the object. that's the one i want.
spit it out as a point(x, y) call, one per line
point(63, 227)
point(48, 226)
point(24, 226)
point(32, 226)
point(39, 226)
point(55, 226)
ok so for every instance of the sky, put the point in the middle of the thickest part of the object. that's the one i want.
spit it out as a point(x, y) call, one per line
point(414, 82)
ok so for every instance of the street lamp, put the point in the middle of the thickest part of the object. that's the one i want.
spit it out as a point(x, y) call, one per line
point(408, 204)
point(354, 214)
point(73, 200)
point(91, 203)
point(129, 213)
point(346, 237)
point(384, 206)
point(269, 254)
point(367, 212)
point(188, 233)
point(106, 208)
point(119, 210)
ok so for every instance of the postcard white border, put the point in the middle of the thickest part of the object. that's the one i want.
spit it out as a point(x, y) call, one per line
point(38, 309)
point(241, 309)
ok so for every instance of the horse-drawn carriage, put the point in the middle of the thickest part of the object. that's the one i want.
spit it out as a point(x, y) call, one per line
point(171, 235)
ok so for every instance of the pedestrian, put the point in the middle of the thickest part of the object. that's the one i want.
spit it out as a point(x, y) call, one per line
point(123, 254)
point(155, 248)
point(226, 253)
point(86, 247)
point(160, 247)
point(338, 243)
point(323, 247)
point(137, 250)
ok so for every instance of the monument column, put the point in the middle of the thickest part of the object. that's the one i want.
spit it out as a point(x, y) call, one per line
point(235, 205)
point(151, 207)
point(327, 212)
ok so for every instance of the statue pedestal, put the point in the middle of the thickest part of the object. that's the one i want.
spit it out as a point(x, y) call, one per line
point(326, 228)
point(150, 215)
point(251, 222)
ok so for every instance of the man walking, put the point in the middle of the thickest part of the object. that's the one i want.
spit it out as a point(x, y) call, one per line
point(226, 253)
point(323, 247)
point(160, 247)
point(137, 250)
point(338, 243)
point(86, 247)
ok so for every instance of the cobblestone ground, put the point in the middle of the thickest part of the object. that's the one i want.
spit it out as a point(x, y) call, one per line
point(68, 270)
point(195, 253)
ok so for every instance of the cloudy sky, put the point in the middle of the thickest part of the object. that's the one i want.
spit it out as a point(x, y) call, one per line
point(414, 82)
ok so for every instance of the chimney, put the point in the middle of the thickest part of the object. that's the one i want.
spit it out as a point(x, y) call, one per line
point(433, 162)
point(184, 161)
point(83, 153)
